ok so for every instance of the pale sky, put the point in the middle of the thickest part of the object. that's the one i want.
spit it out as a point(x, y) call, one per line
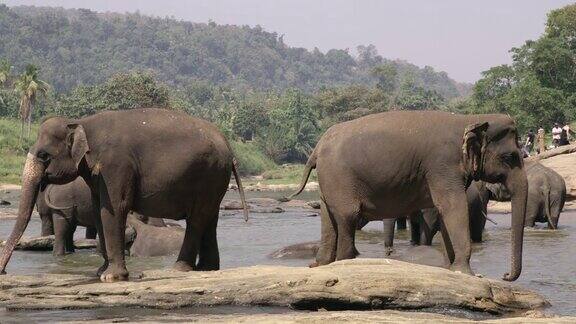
point(460, 37)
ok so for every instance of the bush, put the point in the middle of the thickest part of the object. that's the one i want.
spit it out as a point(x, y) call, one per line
point(251, 160)
point(12, 152)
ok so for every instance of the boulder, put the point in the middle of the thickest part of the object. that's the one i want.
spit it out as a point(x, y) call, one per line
point(343, 285)
point(46, 243)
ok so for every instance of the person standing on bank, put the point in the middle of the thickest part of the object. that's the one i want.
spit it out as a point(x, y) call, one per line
point(541, 141)
point(530, 137)
point(556, 134)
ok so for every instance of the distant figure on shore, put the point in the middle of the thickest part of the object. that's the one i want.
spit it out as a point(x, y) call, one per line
point(529, 144)
point(541, 141)
point(556, 134)
point(565, 136)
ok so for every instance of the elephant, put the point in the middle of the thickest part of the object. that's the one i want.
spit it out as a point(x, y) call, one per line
point(546, 195)
point(62, 208)
point(398, 162)
point(151, 161)
point(477, 210)
point(148, 238)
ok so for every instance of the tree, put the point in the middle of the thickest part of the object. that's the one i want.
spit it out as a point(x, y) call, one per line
point(5, 76)
point(29, 86)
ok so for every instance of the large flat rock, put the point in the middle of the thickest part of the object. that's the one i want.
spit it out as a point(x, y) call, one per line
point(344, 285)
point(383, 316)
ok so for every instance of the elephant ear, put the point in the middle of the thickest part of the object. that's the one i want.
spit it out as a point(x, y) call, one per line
point(77, 142)
point(473, 145)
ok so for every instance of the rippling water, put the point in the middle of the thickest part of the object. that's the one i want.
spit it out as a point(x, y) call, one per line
point(549, 256)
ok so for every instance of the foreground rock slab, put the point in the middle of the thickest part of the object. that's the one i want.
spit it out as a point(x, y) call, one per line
point(384, 316)
point(46, 243)
point(344, 285)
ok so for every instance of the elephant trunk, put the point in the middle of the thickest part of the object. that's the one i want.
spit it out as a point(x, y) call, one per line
point(517, 184)
point(547, 209)
point(389, 224)
point(31, 178)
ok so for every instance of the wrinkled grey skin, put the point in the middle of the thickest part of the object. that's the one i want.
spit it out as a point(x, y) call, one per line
point(151, 239)
point(306, 250)
point(546, 195)
point(477, 209)
point(62, 208)
point(398, 162)
point(151, 161)
point(426, 223)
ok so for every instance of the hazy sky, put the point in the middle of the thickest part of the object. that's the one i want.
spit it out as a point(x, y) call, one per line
point(460, 37)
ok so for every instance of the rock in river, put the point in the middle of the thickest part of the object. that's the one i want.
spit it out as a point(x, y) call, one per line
point(349, 284)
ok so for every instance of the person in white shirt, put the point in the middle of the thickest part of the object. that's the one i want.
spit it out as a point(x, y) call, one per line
point(556, 132)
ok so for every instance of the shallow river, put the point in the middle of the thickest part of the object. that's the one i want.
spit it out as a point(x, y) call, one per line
point(549, 256)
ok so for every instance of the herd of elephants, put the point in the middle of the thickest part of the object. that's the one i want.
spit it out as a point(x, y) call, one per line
point(436, 169)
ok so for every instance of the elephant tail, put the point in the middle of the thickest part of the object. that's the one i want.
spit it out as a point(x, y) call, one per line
point(49, 203)
point(240, 190)
point(310, 164)
point(547, 206)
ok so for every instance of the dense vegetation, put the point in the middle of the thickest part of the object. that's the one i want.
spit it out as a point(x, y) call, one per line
point(539, 87)
point(271, 100)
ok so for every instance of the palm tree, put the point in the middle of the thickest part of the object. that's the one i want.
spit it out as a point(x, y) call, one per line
point(29, 86)
point(5, 75)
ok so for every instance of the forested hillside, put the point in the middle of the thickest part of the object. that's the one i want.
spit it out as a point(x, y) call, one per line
point(81, 47)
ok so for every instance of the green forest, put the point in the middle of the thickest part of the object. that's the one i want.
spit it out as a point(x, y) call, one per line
point(273, 101)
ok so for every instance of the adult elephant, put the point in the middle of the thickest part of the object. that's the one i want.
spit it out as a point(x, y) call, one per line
point(152, 161)
point(546, 195)
point(62, 208)
point(398, 162)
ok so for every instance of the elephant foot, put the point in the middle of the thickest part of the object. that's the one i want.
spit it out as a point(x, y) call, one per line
point(102, 269)
point(388, 251)
point(462, 269)
point(114, 274)
point(313, 265)
point(183, 266)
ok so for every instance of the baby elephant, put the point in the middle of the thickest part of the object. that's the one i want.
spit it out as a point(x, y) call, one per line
point(149, 237)
point(477, 196)
point(546, 195)
point(62, 208)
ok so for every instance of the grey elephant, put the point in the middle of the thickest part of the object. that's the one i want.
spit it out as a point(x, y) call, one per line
point(62, 208)
point(398, 162)
point(149, 237)
point(426, 223)
point(151, 161)
point(477, 198)
point(546, 195)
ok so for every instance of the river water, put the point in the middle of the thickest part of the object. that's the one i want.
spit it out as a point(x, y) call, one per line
point(549, 256)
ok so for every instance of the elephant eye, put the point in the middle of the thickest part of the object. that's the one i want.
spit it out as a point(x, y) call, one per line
point(43, 156)
point(511, 158)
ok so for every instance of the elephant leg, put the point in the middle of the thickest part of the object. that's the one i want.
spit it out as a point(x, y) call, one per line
point(347, 217)
point(114, 209)
point(389, 225)
point(69, 241)
point(190, 246)
point(209, 256)
point(327, 250)
point(91, 232)
point(477, 224)
point(453, 208)
point(47, 224)
point(416, 231)
point(448, 248)
point(401, 223)
point(61, 231)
